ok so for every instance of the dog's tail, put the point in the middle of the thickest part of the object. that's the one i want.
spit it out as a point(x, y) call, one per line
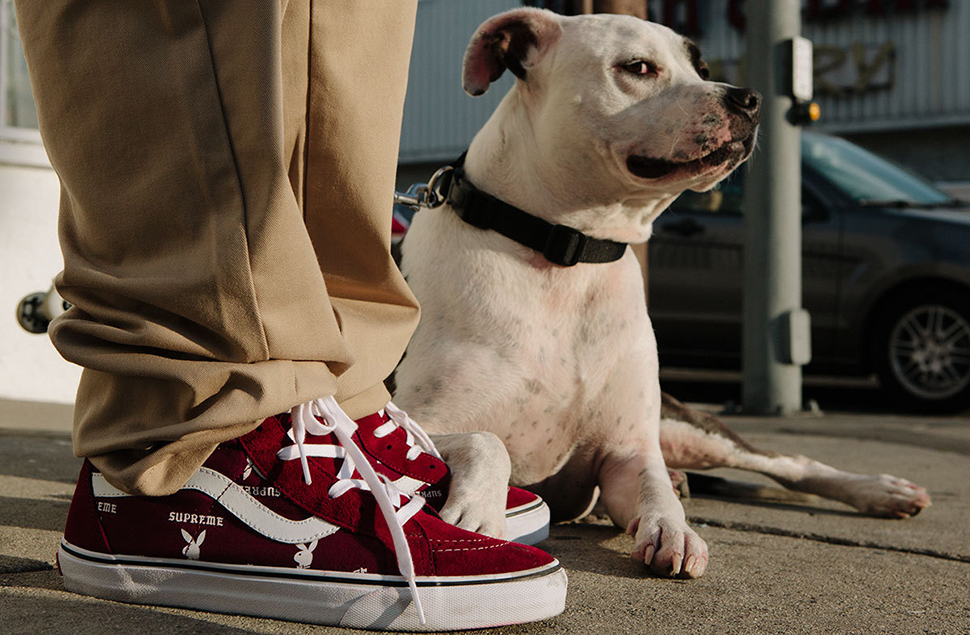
point(715, 486)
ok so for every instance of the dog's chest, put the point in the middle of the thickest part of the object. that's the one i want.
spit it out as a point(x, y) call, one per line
point(551, 359)
point(570, 352)
point(572, 329)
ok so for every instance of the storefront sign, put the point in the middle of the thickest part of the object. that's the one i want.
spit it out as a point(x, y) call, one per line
point(855, 69)
point(839, 70)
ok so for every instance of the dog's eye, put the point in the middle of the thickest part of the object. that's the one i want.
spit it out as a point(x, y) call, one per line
point(703, 71)
point(640, 68)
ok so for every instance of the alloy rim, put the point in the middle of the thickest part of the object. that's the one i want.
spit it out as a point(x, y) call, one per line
point(929, 352)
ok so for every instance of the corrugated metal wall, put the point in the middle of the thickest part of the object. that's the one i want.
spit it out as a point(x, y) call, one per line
point(926, 83)
point(439, 117)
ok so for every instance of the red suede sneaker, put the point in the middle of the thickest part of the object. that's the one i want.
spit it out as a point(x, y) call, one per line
point(291, 522)
point(401, 450)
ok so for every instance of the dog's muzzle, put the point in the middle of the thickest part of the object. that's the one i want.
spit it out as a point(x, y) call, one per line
point(743, 106)
point(650, 168)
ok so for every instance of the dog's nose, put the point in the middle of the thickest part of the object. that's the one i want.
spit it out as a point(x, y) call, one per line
point(743, 101)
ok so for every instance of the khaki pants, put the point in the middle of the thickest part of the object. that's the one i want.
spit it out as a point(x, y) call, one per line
point(227, 170)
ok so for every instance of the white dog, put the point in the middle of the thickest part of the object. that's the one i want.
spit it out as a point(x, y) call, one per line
point(611, 119)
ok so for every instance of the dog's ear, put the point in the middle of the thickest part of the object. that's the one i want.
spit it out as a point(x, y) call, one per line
point(513, 40)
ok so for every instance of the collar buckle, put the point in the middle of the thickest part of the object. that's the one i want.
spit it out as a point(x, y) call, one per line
point(564, 246)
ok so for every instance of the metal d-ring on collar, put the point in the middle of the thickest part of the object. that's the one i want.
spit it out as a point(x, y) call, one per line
point(561, 245)
point(429, 195)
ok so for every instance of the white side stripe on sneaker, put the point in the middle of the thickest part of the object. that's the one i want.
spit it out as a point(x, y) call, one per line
point(243, 506)
point(408, 485)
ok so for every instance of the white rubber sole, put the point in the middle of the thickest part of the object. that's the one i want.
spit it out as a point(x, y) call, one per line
point(528, 524)
point(365, 601)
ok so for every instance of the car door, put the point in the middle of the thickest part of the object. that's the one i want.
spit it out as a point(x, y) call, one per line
point(823, 273)
point(696, 274)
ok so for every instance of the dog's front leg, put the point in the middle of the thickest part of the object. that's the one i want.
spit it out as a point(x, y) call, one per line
point(637, 493)
point(480, 469)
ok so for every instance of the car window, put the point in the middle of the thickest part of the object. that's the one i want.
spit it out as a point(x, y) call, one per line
point(863, 176)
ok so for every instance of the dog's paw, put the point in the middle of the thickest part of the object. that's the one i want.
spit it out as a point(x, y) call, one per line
point(480, 468)
point(886, 496)
point(669, 547)
point(475, 514)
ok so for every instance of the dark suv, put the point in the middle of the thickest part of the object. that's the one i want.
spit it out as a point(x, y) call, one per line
point(885, 276)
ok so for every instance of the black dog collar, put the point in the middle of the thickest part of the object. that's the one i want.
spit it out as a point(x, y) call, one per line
point(560, 244)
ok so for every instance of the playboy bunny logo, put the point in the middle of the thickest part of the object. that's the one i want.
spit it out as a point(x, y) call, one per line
point(304, 557)
point(191, 550)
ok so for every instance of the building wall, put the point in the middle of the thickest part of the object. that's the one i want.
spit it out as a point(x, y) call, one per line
point(30, 368)
point(439, 117)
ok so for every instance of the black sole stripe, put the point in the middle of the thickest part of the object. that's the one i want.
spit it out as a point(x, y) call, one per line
point(315, 576)
point(525, 510)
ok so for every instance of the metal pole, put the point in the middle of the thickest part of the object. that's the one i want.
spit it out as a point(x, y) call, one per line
point(775, 327)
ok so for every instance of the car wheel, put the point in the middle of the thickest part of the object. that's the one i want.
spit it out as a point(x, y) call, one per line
point(923, 352)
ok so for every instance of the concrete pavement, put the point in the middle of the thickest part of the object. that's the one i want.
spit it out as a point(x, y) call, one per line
point(815, 567)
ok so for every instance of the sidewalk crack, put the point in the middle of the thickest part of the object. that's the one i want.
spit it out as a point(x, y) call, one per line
point(28, 566)
point(832, 540)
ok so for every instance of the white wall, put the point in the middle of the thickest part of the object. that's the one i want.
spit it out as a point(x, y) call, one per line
point(30, 368)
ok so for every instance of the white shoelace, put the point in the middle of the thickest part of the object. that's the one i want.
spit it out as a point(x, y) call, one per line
point(399, 418)
point(304, 421)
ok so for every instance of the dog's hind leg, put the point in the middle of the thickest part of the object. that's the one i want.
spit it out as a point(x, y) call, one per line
point(697, 440)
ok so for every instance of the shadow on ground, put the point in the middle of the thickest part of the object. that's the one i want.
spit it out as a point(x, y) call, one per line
point(851, 395)
point(36, 603)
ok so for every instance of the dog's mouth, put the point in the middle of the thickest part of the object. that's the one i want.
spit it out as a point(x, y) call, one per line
point(650, 168)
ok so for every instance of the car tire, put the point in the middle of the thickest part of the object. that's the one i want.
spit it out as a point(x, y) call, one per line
point(921, 349)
